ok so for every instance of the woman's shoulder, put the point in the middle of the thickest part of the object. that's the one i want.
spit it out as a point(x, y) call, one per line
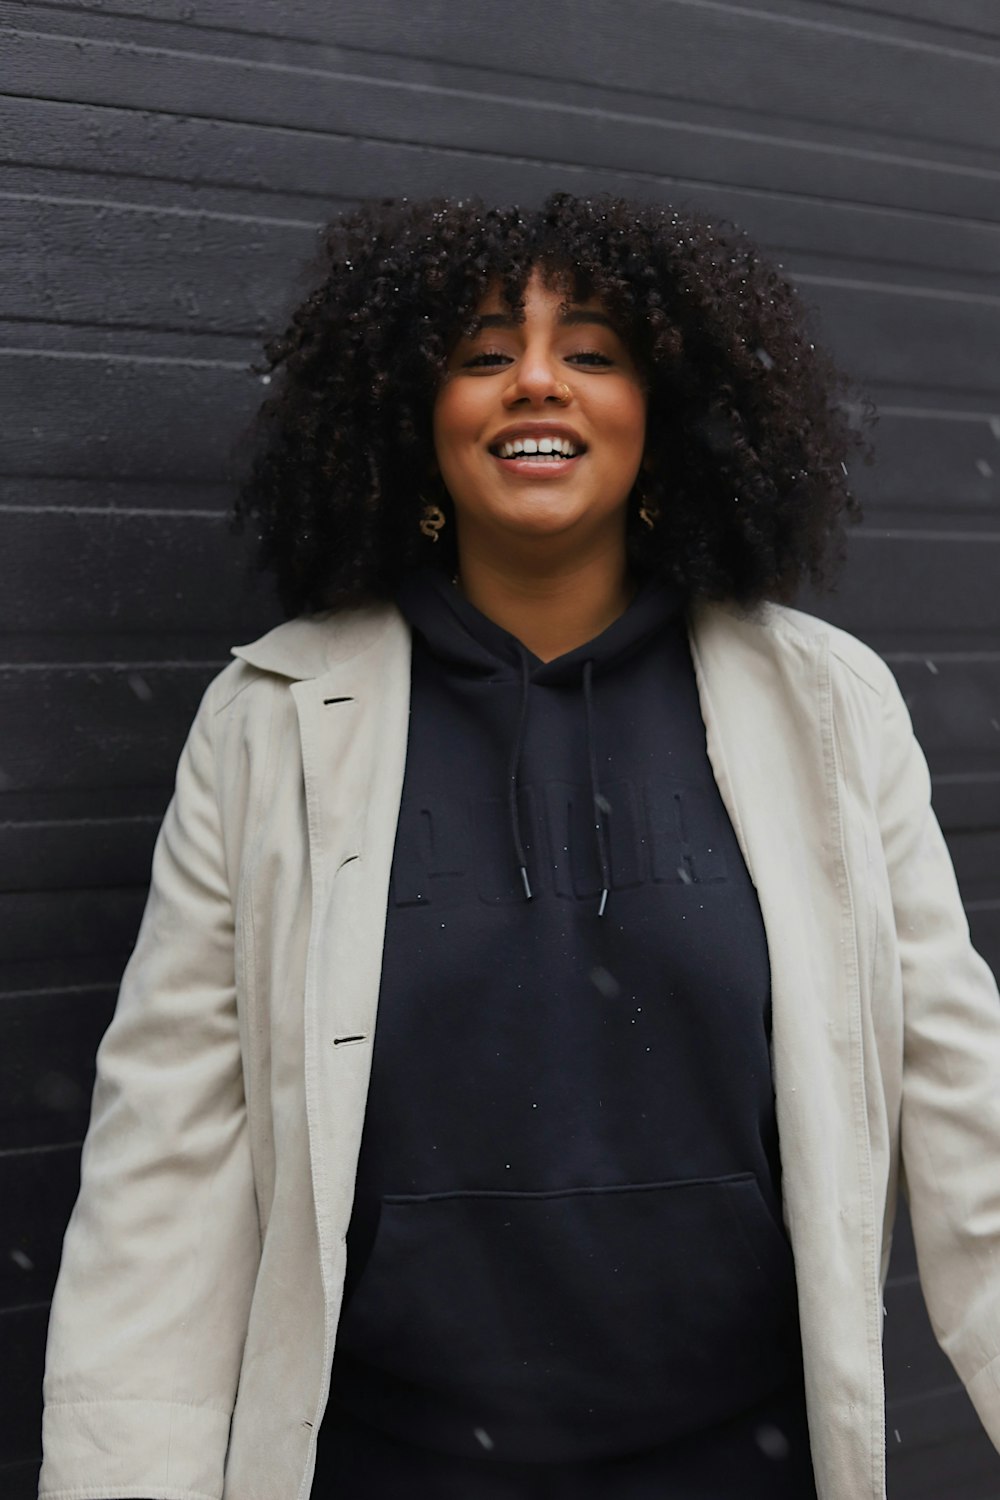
point(780, 628)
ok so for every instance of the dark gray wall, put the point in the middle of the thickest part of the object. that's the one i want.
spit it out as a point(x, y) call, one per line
point(165, 167)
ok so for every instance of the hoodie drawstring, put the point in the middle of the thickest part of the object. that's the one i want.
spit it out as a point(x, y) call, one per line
point(595, 792)
point(515, 762)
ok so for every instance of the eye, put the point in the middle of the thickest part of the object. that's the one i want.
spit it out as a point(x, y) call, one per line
point(488, 357)
point(591, 356)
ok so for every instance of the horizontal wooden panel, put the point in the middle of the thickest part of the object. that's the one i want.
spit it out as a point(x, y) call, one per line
point(37, 1189)
point(967, 799)
point(122, 264)
point(302, 17)
point(85, 924)
point(22, 1338)
point(932, 459)
point(984, 928)
point(979, 17)
point(120, 417)
point(50, 183)
point(288, 173)
point(283, 164)
point(82, 262)
point(939, 589)
point(19, 1481)
point(113, 571)
point(955, 707)
point(41, 492)
point(880, 331)
point(97, 728)
point(656, 139)
point(806, 68)
point(976, 857)
point(88, 854)
point(47, 1062)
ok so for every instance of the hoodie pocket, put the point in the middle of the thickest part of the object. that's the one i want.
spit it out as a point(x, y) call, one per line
point(574, 1323)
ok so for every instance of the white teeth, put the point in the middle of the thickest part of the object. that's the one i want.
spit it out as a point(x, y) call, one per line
point(554, 447)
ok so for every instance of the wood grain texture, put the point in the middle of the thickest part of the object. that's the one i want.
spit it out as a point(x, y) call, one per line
point(47, 1069)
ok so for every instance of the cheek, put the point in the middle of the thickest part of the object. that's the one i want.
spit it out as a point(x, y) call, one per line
point(456, 422)
point(625, 422)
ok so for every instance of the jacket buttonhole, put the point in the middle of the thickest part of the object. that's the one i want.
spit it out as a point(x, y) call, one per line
point(337, 700)
point(339, 1041)
point(307, 1424)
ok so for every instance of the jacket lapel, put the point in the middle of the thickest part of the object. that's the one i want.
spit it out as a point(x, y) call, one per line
point(766, 701)
point(352, 697)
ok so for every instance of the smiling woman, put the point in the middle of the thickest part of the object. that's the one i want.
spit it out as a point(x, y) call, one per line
point(552, 961)
point(744, 454)
point(539, 497)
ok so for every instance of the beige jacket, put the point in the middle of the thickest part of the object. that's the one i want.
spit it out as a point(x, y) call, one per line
point(194, 1319)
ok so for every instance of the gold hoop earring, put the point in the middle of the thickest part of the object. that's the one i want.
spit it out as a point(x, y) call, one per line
point(432, 520)
point(648, 514)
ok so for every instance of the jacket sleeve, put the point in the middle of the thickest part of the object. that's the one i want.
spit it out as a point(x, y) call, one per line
point(152, 1301)
point(950, 1125)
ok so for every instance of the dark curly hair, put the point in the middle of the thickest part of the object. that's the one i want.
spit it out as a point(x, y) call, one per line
point(747, 431)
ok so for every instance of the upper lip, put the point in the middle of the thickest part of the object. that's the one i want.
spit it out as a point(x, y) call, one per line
point(537, 430)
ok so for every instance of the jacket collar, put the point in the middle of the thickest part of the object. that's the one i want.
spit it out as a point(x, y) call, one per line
point(312, 645)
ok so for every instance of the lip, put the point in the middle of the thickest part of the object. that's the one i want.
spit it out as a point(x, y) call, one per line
point(536, 430)
point(532, 468)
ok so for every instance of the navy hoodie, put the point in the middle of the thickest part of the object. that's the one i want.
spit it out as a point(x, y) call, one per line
point(566, 1244)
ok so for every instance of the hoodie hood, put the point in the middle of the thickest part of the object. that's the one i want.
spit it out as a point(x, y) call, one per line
point(466, 642)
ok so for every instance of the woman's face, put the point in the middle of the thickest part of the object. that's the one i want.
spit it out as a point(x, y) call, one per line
point(561, 380)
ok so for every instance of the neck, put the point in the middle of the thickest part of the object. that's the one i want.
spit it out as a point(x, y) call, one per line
point(549, 611)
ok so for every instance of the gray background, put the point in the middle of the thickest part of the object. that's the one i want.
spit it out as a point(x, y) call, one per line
point(164, 167)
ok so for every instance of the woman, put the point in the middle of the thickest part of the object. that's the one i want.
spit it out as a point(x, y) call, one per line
point(636, 864)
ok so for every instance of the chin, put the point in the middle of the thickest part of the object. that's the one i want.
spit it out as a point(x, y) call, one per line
point(541, 518)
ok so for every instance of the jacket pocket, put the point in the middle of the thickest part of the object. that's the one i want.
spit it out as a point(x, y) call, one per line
point(574, 1323)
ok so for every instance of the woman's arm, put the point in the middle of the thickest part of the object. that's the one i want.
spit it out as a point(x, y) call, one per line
point(950, 1128)
point(152, 1302)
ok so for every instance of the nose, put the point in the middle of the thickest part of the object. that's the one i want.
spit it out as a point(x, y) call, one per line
point(537, 379)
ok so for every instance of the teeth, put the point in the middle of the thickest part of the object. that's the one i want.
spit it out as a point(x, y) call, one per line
point(553, 447)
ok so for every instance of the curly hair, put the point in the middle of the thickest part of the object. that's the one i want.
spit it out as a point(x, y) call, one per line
point(748, 428)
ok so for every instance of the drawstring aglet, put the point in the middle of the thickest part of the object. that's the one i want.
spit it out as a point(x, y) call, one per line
point(604, 902)
point(524, 882)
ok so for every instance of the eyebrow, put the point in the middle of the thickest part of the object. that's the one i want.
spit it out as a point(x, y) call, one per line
point(572, 318)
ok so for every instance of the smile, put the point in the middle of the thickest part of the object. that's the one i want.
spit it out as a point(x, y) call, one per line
point(543, 447)
point(538, 450)
point(551, 465)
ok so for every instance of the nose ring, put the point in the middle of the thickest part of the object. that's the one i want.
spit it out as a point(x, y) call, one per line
point(563, 394)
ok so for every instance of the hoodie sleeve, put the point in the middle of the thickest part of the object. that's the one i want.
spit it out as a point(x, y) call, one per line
point(950, 1126)
point(160, 1257)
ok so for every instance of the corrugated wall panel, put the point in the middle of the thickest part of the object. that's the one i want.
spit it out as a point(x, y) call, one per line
point(164, 170)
